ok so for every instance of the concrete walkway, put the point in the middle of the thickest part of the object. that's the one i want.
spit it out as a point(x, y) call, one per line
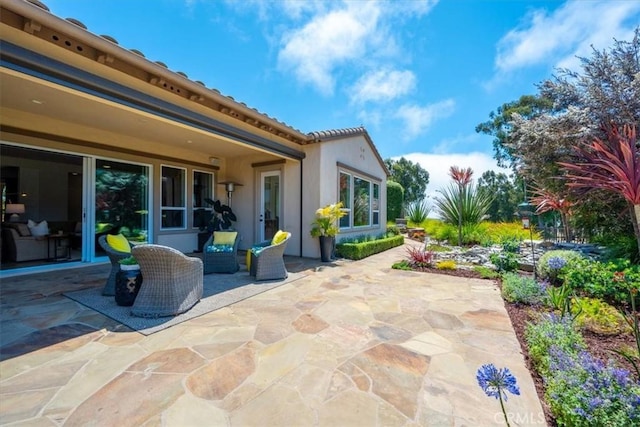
point(354, 343)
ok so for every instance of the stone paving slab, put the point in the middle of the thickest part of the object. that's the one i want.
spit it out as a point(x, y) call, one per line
point(354, 343)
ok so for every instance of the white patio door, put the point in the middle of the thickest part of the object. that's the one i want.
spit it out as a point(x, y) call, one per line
point(270, 209)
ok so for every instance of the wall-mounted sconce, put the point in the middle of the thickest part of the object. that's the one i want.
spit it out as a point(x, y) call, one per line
point(230, 187)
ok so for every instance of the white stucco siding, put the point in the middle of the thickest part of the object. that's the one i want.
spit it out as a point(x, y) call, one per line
point(246, 199)
point(322, 165)
point(312, 196)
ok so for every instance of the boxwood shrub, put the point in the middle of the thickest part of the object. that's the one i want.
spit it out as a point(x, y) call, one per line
point(359, 250)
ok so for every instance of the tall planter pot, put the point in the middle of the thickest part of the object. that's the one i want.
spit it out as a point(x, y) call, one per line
point(326, 248)
point(128, 281)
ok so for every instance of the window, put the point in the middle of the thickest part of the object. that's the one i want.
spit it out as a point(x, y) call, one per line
point(375, 204)
point(121, 200)
point(361, 202)
point(202, 189)
point(360, 199)
point(173, 197)
point(345, 198)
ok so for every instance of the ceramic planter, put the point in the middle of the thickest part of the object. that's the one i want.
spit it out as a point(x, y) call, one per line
point(128, 281)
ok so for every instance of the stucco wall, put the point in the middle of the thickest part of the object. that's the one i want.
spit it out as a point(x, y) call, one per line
point(321, 166)
point(246, 200)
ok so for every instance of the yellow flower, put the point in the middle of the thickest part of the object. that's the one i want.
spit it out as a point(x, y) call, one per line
point(326, 222)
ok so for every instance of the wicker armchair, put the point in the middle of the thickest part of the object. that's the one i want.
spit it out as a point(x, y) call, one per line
point(220, 262)
point(268, 263)
point(172, 281)
point(114, 256)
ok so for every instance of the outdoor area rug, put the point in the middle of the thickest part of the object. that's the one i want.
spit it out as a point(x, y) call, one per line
point(220, 290)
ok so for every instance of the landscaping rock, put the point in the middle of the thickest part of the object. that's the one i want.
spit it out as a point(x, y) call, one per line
point(529, 253)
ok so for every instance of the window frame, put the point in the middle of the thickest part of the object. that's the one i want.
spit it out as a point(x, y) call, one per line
point(346, 204)
point(164, 208)
point(350, 205)
point(211, 195)
point(375, 204)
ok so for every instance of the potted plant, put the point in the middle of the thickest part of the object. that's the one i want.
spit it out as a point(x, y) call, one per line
point(325, 227)
point(128, 281)
point(209, 221)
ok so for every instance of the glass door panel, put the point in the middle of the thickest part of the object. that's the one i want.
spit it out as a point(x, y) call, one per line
point(269, 204)
point(121, 201)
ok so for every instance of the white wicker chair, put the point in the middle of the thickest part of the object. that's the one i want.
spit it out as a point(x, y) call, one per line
point(268, 264)
point(172, 281)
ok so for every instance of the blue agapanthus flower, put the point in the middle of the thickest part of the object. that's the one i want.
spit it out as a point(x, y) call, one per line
point(496, 382)
point(556, 262)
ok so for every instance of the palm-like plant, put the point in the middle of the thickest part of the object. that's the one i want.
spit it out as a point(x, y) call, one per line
point(468, 205)
point(462, 177)
point(612, 165)
point(418, 211)
point(547, 200)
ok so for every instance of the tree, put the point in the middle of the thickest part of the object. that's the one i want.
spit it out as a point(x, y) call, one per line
point(606, 89)
point(507, 194)
point(411, 176)
point(536, 142)
point(499, 125)
point(613, 165)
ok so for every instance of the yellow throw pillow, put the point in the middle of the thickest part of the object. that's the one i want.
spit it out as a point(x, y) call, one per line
point(119, 243)
point(279, 237)
point(248, 260)
point(224, 237)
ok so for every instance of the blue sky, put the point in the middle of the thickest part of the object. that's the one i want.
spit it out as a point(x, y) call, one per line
point(418, 75)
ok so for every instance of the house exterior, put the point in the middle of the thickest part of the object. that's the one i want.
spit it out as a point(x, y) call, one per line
point(95, 138)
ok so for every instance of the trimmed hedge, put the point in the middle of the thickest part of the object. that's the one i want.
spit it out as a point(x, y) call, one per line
point(364, 249)
point(395, 197)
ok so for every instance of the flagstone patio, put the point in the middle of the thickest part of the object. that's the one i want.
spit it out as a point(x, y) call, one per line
point(354, 343)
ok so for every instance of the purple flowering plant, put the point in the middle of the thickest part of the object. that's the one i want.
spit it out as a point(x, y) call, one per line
point(496, 383)
point(582, 390)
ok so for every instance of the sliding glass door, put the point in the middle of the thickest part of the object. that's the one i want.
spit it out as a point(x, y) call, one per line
point(121, 201)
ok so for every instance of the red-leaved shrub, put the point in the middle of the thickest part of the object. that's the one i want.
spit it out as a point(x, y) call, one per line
point(420, 258)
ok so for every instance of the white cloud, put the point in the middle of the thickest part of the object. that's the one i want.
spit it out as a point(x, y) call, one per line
point(335, 39)
point(383, 85)
point(569, 31)
point(371, 117)
point(327, 41)
point(438, 166)
point(417, 119)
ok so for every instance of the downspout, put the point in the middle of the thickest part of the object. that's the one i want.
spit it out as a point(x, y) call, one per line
point(301, 203)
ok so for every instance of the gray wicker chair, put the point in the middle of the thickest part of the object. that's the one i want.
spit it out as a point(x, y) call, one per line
point(172, 281)
point(268, 264)
point(114, 256)
point(220, 262)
